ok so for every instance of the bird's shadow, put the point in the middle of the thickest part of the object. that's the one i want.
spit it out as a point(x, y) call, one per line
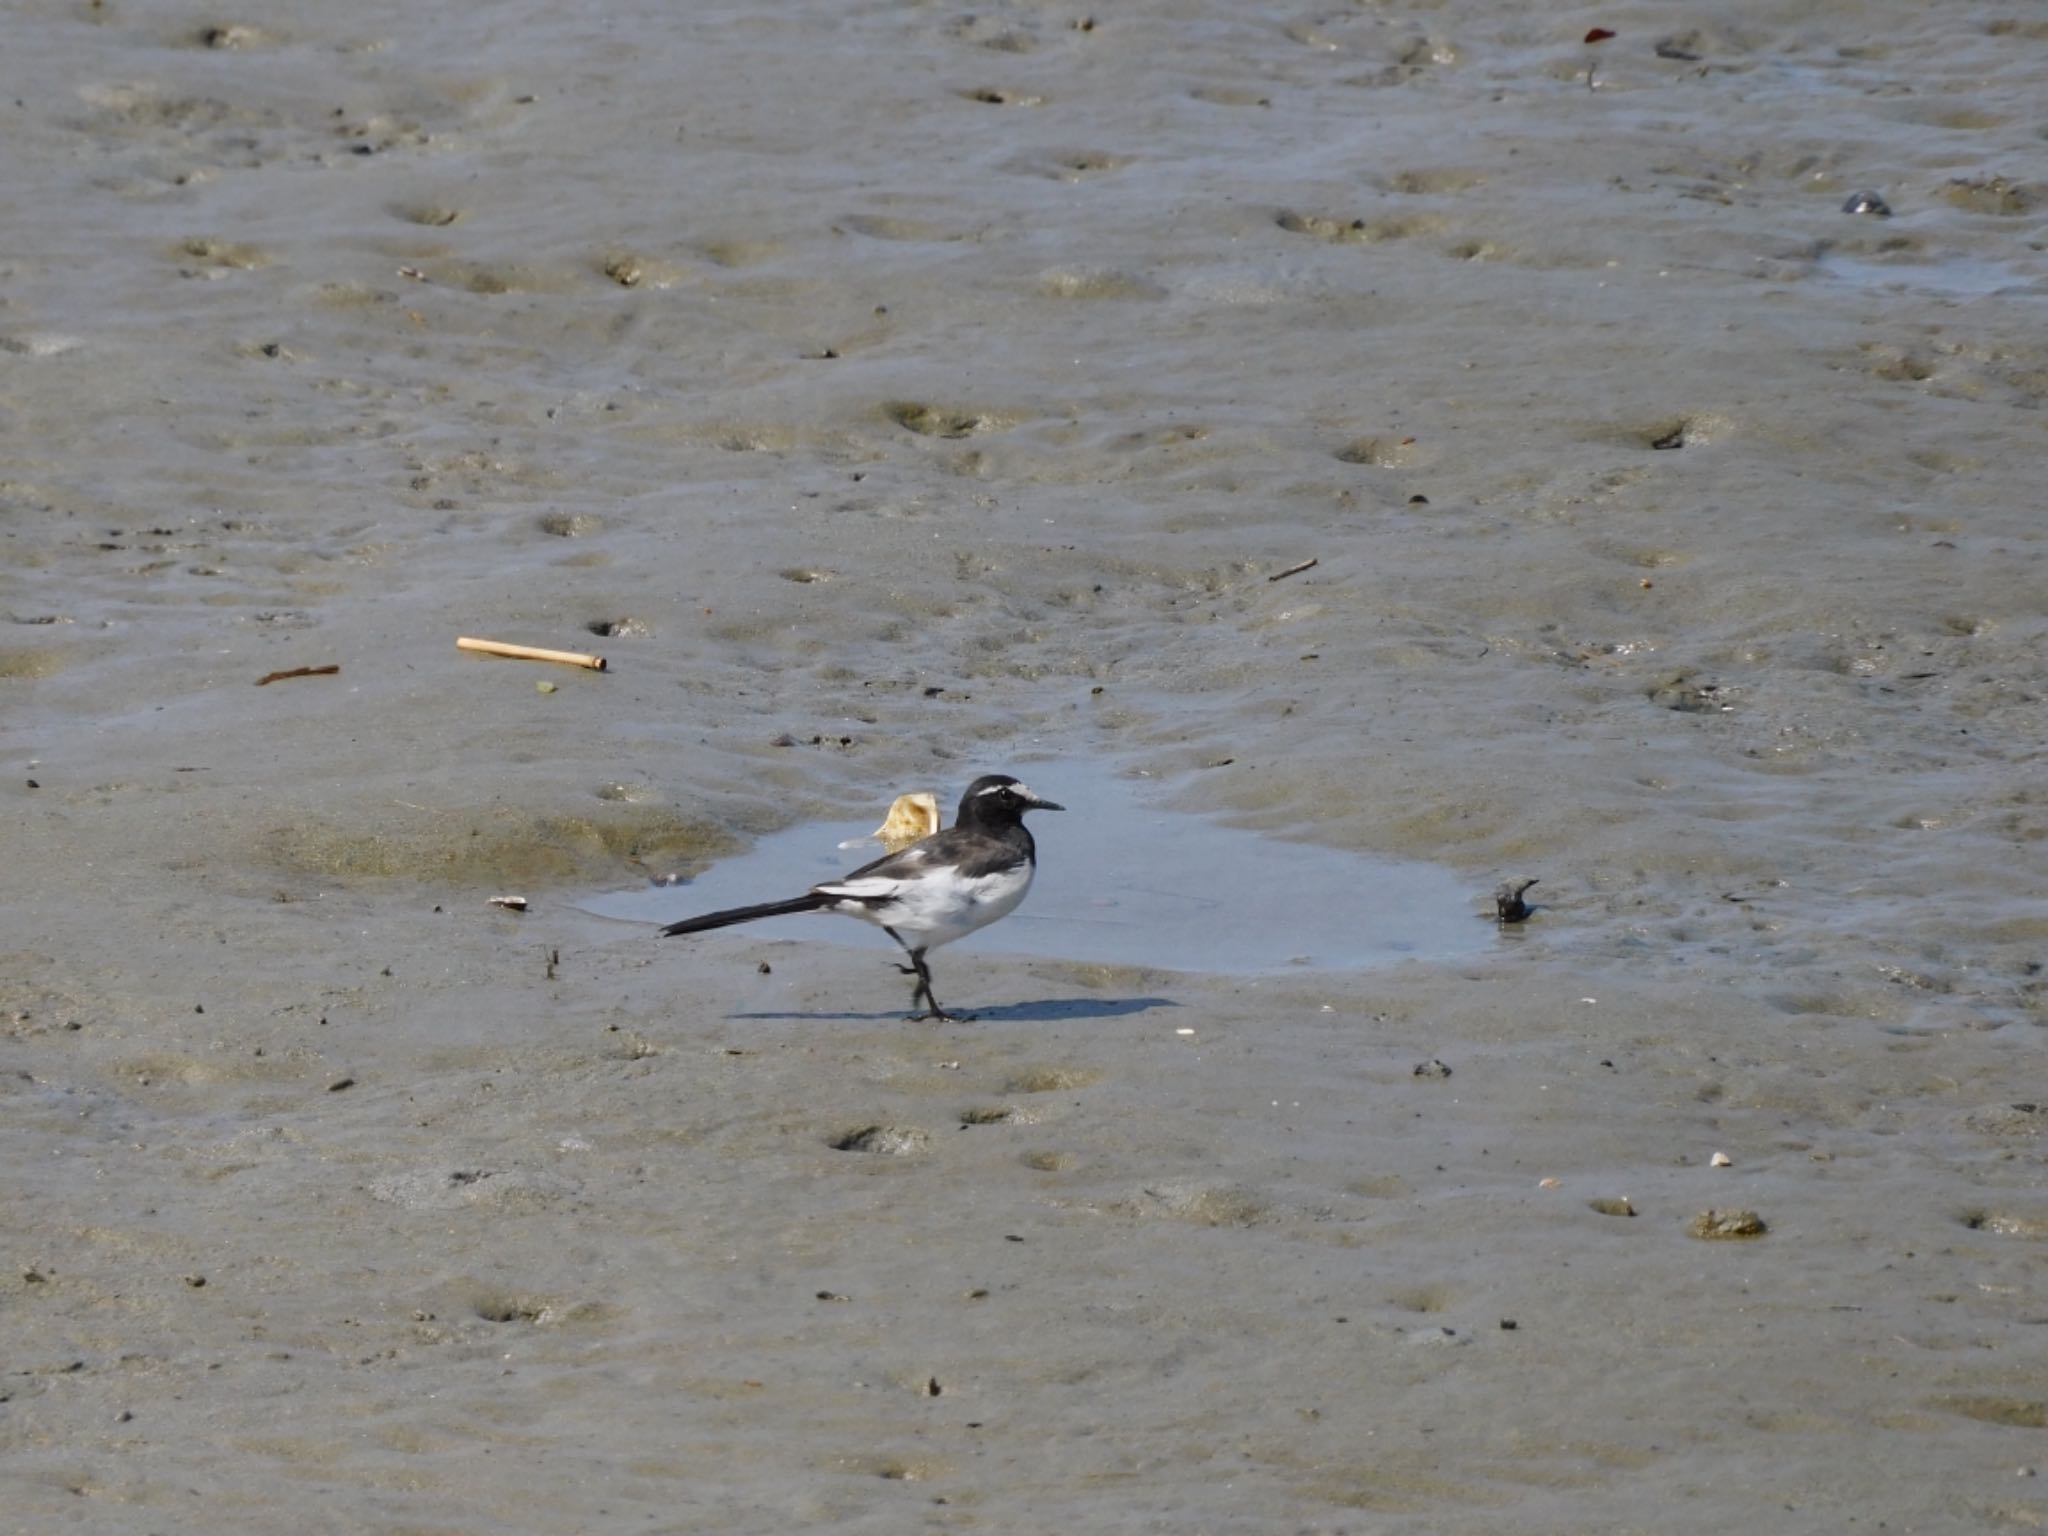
point(1044, 1011)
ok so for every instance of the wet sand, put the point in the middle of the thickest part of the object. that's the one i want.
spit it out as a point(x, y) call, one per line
point(895, 394)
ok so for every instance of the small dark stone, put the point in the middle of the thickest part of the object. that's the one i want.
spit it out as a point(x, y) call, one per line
point(1868, 202)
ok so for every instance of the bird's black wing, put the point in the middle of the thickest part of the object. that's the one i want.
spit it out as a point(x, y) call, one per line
point(905, 862)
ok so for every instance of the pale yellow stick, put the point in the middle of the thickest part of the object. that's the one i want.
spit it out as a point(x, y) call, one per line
point(529, 653)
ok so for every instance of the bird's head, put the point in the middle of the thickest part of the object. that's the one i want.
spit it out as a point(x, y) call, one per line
point(998, 797)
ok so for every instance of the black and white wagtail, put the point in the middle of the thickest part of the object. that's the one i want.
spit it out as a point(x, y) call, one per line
point(939, 889)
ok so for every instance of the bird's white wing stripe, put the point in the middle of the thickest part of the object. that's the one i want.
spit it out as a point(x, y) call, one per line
point(869, 888)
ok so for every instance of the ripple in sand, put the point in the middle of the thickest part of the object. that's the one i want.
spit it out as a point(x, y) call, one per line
point(491, 845)
point(941, 421)
point(888, 1140)
point(1096, 283)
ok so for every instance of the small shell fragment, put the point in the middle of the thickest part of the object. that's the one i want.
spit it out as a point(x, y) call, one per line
point(510, 903)
point(1721, 1160)
point(1613, 1205)
point(911, 817)
point(1550, 1183)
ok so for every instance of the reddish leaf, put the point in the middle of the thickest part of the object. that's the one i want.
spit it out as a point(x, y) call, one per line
point(1599, 35)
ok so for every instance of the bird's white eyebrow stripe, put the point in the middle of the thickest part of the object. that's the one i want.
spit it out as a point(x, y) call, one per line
point(998, 788)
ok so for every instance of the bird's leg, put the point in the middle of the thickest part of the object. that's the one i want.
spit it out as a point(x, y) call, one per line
point(923, 990)
point(924, 984)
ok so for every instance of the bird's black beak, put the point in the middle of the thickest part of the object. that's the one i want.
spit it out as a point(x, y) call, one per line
point(1036, 804)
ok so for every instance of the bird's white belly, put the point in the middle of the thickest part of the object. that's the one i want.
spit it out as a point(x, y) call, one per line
point(937, 909)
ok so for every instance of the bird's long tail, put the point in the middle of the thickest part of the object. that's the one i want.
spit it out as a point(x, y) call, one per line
point(810, 901)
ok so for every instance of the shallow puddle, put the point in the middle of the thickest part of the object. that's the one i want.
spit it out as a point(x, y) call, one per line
point(1122, 882)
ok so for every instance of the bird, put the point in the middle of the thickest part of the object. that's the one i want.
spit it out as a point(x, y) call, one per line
point(940, 888)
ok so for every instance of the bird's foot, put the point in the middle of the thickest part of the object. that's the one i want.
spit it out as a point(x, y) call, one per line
point(938, 1015)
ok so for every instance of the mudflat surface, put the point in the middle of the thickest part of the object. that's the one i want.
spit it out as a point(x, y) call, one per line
point(894, 394)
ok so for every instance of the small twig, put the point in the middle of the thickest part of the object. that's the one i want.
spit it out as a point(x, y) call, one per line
point(278, 677)
point(1293, 570)
point(529, 653)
